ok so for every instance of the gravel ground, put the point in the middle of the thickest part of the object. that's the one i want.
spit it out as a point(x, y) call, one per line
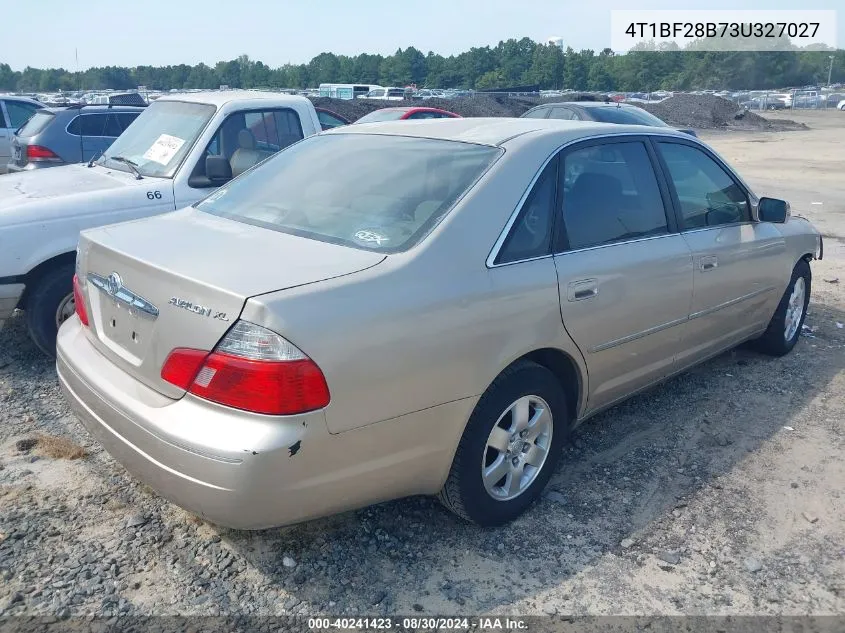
point(719, 492)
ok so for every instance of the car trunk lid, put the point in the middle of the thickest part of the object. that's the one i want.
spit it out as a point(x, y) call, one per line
point(181, 280)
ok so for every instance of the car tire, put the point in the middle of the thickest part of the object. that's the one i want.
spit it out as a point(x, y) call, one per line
point(785, 327)
point(52, 294)
point(536, 392)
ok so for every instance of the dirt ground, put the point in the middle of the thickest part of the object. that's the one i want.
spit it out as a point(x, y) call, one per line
point(719, 492)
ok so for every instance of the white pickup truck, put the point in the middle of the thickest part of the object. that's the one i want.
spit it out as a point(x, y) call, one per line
point(175, 153)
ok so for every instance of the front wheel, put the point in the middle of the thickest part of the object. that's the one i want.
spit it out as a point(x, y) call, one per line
point(785, 327)
point(49, 305)
point(509, 448)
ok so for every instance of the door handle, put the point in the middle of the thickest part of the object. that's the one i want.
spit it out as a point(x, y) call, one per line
point(582, 289)
point(708, 263)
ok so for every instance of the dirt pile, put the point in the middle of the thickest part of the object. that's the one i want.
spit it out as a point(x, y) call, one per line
point(708, 112)
point(474, 106)
point(702, 112)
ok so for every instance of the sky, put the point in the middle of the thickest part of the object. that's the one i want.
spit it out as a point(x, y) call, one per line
point(45, 33)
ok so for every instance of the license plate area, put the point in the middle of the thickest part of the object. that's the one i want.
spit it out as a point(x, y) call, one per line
point(124, 328)
point(18, 153)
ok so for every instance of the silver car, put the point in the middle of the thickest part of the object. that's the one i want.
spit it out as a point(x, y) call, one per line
point(424, 307)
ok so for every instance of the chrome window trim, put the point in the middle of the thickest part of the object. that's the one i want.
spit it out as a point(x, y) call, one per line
point(718, 226)
point(497, 245)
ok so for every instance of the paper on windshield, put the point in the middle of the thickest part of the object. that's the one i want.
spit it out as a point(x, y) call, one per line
point(164, 149)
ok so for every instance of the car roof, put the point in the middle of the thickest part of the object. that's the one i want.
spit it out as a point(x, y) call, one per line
point(496, 131)
point(589, 104)
point(19, 98)
point(224, 97)
point(412, 108)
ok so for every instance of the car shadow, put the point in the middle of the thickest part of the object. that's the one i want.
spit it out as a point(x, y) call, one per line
point(627, 468)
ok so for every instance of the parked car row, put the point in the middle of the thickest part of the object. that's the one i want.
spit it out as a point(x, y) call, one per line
point(266, 323)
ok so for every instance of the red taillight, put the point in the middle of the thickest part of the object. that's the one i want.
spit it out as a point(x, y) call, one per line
point(36, 153)
point(182, 366)
point(79, 302)
point(252, 369)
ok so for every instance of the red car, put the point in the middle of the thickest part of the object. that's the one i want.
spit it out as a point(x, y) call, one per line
point(398, 114)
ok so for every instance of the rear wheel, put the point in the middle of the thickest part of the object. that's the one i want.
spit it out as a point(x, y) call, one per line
point(510, 447)
point(785, 327)
point(49, 305)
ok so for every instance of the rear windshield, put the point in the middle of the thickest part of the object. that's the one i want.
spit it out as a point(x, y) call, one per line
point(39, 121)
point(381, 115)
point(625, 116)
point(372, 192)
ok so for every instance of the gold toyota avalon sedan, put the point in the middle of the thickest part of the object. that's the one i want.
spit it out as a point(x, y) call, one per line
point(420, 307)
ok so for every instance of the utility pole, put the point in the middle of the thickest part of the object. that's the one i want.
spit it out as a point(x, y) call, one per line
point(830, 70)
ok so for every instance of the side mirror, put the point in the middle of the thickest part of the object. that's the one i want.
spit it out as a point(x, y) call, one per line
point(773, 210)
point(218, 169)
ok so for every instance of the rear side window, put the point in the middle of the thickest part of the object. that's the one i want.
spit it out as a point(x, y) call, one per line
point(531, 234)
point(112, 128)
point(563, 113)
point(372, 192)
point(37, 124)
point(89, 125)
point(610, 194)
point(19, 113)
point(625, 116)
point(536, 114)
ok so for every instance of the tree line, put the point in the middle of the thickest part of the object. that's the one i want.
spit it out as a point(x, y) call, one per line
point(510, 63)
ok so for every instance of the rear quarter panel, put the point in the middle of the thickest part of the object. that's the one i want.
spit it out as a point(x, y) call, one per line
point(429, 326)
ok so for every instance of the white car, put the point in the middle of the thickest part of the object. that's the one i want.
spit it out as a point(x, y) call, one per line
point(178, 151)
point(385, 94)
point(841, 105)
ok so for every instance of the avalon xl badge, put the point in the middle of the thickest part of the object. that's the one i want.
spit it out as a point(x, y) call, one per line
point(114, 288)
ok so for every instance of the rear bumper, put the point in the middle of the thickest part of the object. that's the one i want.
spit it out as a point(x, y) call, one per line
point(250, 471)
point(10, 295)
point(14, 168)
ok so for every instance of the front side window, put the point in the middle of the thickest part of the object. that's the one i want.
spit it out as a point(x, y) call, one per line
point(372, 192)
point(247, 138)
point(329, 121)
point(531, 234)
point(160, 137)
point(425, 115)
point(707, 195)
point(610, 194)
